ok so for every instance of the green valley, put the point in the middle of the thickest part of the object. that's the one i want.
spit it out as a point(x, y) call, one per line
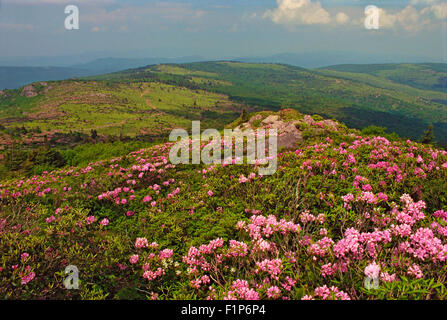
point(357, 99)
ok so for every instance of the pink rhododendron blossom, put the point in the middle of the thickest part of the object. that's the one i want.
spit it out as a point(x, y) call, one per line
point(141, 243)
point(134, 259)
point(372, 270)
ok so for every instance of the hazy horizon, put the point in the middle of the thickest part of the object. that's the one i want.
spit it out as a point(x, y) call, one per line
point(32, 32)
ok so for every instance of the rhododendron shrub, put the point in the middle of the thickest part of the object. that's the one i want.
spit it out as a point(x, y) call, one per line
point(342, 209)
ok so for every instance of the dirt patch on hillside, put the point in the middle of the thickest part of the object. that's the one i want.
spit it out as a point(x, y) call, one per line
point(29, 91)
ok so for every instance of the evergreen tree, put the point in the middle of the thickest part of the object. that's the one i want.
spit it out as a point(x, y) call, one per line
point(93, 134)
point(428, 137)
point(244, 115)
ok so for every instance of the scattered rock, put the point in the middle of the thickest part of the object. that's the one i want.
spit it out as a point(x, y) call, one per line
point(309, 120)
point(255, 118)
point(330, 124)
point(29, 91)
point(278, 125)
point(47, 89)
point(270, 119)
point(290, 140)
point(289, 135)
point(290, 127)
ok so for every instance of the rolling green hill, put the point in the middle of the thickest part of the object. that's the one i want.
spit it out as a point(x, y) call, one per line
point(357, 99)
point(152, 100)
point(430, 76)
point(61, 112)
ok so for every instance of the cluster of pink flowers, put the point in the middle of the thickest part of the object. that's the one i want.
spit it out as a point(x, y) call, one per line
point(415, 271)
point(266, 226)
point(272, 267)
point(237, 249)
point(273, 292)
point(154, 265)
point(90, 219)
point(330, 293)
point(198, 283)
point(28, 276)
point(166, 254)
point(241, 290)
point(243, 178)
point(50, 219)
point(152, 275)
point(196, 256)
point(424, 245)
point(141, 243)
point(372, 270)
point(24, 256)
point(321, 247)
point(134, 259)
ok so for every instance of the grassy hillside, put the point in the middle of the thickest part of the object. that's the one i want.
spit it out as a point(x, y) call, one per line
point(356, 99)
point(72, 108)
point(340, 207)
point(155, 98)
point(430, 76)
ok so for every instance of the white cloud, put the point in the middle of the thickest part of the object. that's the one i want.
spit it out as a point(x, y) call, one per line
point(341, 18)
point(410, 18)
point(437, 7)
point(296, 12)
point(386, 19)
point(420, 14)
point(440, 10)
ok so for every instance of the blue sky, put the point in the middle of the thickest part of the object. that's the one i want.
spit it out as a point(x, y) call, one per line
point(222, 28)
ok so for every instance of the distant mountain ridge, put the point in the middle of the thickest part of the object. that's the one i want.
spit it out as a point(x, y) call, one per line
point(66, 67)
point(13, 77)
point(427, 76)
point(16, 77)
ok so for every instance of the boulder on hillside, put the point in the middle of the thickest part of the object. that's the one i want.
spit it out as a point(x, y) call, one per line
point(255, 118)
point(29, 91)
point(290, 127)
point(289, 140)
point(270, 119)
point(330, 124)
point(309, 120)
point(277, 125)
point(288, 133)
